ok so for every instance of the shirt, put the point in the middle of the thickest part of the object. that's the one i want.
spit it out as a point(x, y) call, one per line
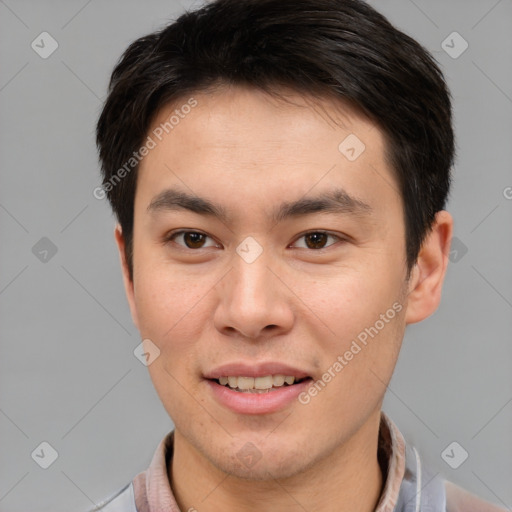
point(409, 486)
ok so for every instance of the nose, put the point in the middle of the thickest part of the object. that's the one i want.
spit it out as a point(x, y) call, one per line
point(254, 302)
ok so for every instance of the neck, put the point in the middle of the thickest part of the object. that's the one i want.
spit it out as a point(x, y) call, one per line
point(348, 480)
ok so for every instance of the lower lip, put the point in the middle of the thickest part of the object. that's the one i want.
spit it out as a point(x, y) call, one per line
point(257, 403)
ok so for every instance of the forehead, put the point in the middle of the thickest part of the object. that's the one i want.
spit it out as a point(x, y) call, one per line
point(228, 115)
point(240, 140)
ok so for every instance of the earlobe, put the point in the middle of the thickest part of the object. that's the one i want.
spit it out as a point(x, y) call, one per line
point(127, 280)
point(428, 274)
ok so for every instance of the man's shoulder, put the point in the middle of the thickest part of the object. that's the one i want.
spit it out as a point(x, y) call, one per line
point(123, 501)
point(457, 500)
point(421, 487)
point(461, 500)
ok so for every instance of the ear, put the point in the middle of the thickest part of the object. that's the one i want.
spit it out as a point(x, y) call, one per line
point(128, 283)
point(427, 276)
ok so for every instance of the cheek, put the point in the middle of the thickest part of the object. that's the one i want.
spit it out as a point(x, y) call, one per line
point(172, 314)
point(348, 301)
point(166, 298)
point(363, 318)
point(358, 364)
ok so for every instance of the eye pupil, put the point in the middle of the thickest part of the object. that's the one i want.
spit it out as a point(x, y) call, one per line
point(195, 239)
point(317, 239)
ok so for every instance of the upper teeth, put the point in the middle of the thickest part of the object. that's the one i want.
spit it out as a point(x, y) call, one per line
point(257, 382)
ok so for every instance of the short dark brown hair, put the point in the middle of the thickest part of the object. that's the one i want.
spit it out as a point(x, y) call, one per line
point(340, 49)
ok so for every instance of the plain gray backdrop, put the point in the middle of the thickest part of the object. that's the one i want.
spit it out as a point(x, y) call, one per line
point(68, 374)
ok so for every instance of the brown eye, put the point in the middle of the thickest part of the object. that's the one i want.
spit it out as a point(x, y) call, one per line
point(191, 239)
point(317, 239)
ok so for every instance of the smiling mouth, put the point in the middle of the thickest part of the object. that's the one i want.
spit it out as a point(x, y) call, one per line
point(259, 385)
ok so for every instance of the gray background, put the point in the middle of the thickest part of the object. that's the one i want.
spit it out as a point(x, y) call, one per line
point(68, 375)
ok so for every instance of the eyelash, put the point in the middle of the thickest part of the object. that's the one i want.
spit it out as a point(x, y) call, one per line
point(171, 236)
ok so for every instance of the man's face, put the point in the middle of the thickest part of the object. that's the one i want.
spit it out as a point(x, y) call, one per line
point(270, 296)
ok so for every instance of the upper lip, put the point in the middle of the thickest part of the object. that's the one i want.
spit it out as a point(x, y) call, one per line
point(241, 369)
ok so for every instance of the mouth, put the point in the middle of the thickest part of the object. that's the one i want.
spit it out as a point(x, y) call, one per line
point(258, 385)
point(257, 390)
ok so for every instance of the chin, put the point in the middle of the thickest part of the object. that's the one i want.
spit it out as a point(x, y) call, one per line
point(276, 460)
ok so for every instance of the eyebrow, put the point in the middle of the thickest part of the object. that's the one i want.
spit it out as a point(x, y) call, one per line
point(336, 201)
